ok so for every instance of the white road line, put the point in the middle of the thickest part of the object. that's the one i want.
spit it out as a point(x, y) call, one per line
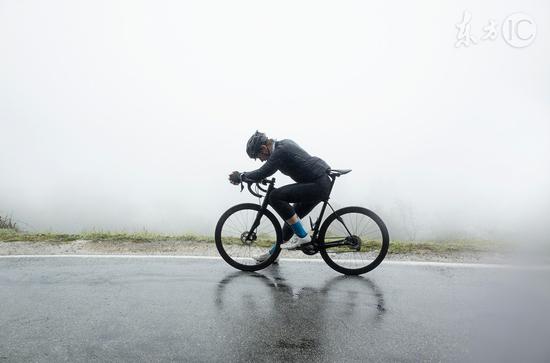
point(115, 256)
point(316, 260)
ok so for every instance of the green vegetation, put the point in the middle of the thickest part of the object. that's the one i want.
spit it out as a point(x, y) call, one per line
point(396, 247)
point(444, 247)
point(9, 235)
point(428, 247)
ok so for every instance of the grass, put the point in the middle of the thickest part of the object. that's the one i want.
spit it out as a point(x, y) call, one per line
point(9, 235)
point(443, 247)
point(396, 247)
point(431, 247)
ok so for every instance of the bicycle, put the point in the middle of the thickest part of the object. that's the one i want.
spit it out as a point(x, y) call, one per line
point(248, 229)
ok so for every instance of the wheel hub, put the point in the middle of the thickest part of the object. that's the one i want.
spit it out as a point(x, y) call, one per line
point(247, 238)
point(354, 242)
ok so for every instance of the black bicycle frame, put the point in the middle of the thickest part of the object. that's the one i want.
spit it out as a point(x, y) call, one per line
point(315, 226)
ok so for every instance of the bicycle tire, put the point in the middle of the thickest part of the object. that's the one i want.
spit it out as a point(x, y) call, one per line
point(385, 240)
point(219, 238)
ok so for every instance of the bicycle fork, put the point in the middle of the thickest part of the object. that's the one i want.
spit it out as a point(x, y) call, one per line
point(260, 214)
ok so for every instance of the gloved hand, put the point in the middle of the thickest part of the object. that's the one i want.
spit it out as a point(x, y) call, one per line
point(235, 178)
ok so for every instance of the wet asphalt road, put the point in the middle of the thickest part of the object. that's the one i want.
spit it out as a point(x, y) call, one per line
point(165, 309)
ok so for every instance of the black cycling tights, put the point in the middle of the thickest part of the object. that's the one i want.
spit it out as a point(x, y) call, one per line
point(305, 197)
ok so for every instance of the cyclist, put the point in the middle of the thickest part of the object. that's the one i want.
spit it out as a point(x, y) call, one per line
point(311, 187)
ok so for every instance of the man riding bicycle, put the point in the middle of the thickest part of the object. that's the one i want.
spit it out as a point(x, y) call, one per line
point(311, 187)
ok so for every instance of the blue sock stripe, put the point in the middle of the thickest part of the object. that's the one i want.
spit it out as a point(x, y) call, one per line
point(298, 228)
point(272, 250)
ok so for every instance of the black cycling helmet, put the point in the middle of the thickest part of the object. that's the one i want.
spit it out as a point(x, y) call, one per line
point(254, 143)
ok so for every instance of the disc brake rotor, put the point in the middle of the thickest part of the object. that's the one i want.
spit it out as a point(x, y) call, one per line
point(248, 238)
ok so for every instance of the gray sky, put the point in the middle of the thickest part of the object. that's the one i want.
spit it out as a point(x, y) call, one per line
point(129, 115)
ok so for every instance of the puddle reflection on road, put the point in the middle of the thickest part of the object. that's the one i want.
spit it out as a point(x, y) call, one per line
point(263, 311)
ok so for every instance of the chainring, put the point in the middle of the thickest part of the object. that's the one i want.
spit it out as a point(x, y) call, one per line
point(309, 249)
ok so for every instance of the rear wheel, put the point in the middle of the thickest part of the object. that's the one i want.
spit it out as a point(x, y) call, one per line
point(238, 244)
point(353, 240)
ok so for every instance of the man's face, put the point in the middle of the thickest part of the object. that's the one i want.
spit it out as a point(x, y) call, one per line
point(263, 155)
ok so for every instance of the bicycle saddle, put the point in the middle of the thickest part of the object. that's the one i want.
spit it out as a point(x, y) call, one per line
point(337, 172)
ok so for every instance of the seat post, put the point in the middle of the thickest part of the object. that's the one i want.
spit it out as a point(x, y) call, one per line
point(331, 186)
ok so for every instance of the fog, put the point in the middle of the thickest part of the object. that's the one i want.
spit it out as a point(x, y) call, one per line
point(127, 115)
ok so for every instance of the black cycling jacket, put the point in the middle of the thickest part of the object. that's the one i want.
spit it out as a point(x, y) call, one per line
point(291, 160)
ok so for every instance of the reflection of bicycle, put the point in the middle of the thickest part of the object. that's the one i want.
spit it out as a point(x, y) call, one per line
point(356, 297)
point(352, 240)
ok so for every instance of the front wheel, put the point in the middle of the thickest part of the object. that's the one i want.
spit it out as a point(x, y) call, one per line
point(353, 240)
point(239, 241)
